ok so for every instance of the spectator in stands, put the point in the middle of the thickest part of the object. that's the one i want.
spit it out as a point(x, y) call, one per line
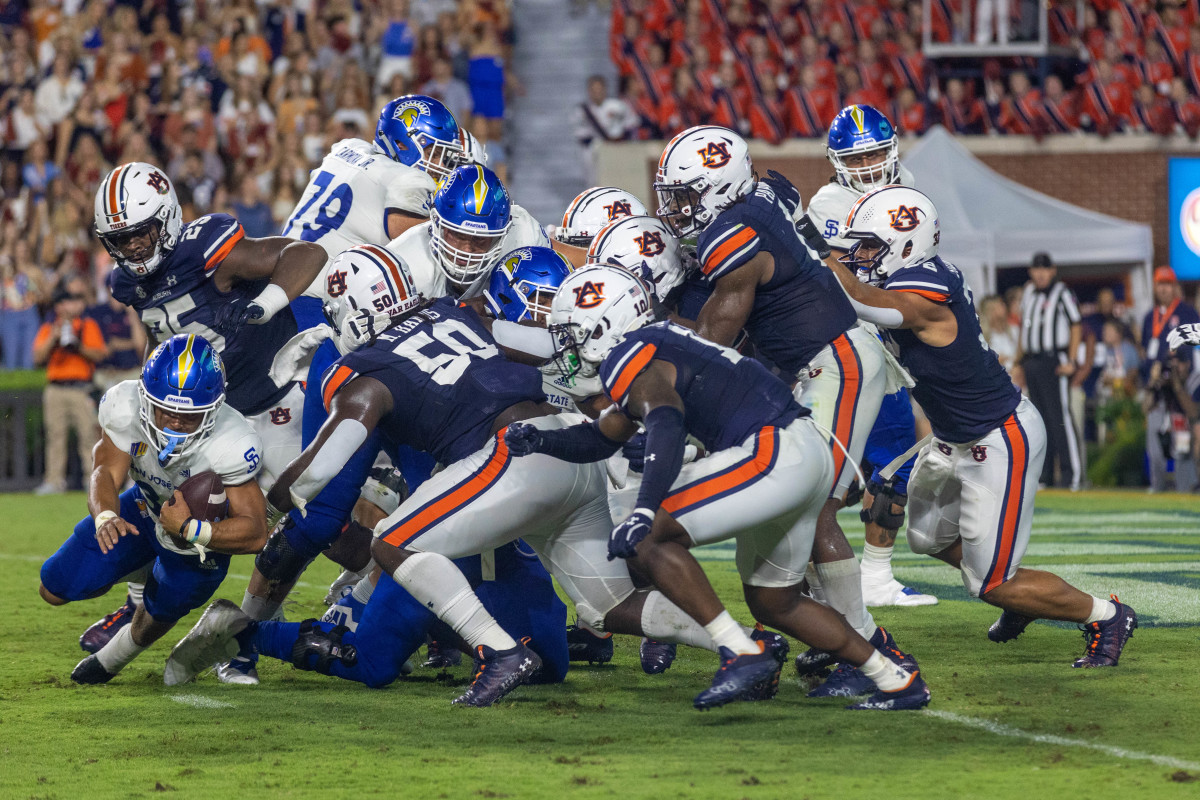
point(1059, 108)
point(601, 118)
point(1116, 363)
point(20, 294)
point(397, 39)
point(252, 211)
point(960, 112)
point(487, 79)
point(1172, 31)
point(1020, 111)
point(58, 93)
point(1185, 110)
point(810, 106)
point(1151, 113)
point(24, 128)
point(998, 331)
point(909, 113)
point(69, 346)
point(909, 67)
point(1155, 68)
point(450, 90)
point(1169, 312)
point(125, 338)
point(38, 172)
point(1107, 102)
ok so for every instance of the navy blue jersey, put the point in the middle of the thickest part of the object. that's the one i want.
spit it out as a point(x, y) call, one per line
point(726, 397)
point(182, 297)
point(961, 387)
point(692, 295)
point(802, 308)
point(447, 378)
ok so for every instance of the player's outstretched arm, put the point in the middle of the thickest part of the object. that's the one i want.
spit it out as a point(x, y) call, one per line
point(576, 255)
point(578, 444)
point(110, 469)
point(292, 266)
point(244, 531)
point(893, 309)
point(653, 399)
point(727, 309)
point(354, 412)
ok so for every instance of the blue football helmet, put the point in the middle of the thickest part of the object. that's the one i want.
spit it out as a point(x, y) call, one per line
point(183, 377)
point(524, 282)
point(471, 213)
point(863, 131)
point(421, 132)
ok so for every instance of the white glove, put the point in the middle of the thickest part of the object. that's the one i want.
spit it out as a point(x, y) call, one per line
point(1185, 334)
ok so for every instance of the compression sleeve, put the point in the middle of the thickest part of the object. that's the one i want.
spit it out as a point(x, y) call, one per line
point(883, 317)
point(579, 444)
point(665, 440)
point(523, 338)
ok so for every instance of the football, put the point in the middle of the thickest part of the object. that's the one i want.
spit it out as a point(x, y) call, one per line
point(205, 496)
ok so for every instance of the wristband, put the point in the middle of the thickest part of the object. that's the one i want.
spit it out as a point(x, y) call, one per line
point(272, 299)
point(104, 517)
point(197, 532)
point(273, 516)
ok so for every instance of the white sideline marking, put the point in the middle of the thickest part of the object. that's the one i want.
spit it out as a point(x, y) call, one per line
point(1043, 738)
point(199, 701)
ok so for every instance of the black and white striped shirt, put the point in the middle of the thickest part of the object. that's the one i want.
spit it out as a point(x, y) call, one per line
point(1046, 319)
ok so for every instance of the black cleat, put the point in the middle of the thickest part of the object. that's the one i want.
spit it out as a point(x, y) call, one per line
point(583, 645)
point(656, 656)
point(814, 663)
point(440, 656)
point(104, 629)
point(498, 673)
point(90, 670)
point(739, 677)
point(777, 646)
point(1106, 640)
point(1009, 626)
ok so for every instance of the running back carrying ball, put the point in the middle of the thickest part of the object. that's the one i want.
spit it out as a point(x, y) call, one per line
point(206, 502)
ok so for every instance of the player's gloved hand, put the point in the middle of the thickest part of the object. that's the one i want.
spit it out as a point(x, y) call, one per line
point(523, 439)
point(623, 541)
point(234, 313)
point(1188, 334)
point(634, 451)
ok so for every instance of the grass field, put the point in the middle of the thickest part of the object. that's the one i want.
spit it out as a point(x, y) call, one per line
point(1008, 720)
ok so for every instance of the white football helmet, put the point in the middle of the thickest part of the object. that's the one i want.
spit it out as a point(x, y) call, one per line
point(594, 208)
point(645, 247)
point(892, 228)
point(137, 217)
point(472, 151)
point(368, 289)
point(702, 171)
point(592, 310)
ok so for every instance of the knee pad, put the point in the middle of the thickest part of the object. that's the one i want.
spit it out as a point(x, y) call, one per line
point(279, 561)
point(317, 650)
point(590, 617)
point(385, 488)
point(880, 512)
point(922, 543)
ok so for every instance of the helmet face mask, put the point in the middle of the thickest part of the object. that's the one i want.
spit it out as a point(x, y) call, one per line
point(702, 171)
point(182, 383)
point(137, 217)
point(378, 290)
point(892, 228)
point(866, 257)
point(470, 217)
point(523, 284)
point(438, 158)
point(420, 132)
point(863, 149)
point(679, 206)
point(592, 310)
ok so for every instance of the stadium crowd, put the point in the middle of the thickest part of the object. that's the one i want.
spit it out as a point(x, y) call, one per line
point(778, 69)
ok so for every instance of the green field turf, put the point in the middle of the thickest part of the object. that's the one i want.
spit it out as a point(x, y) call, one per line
point(1008, 720)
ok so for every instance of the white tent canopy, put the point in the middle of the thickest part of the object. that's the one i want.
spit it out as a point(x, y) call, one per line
point(989, 221)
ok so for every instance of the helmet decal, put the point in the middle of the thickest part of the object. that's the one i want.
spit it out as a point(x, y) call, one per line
point(715, 154)
point(590, 295)
point(904, 218)
point(650, 243)
point(186, 362)
point(480, 188)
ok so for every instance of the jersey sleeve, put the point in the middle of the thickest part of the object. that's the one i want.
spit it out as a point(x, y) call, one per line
point(786, 192)
point(215, 235)
point(337, 377)
point(722, 248)
point(928, 280)
point(525, 231)
point(409, 190)
point(240, 455)
point(623, 364)
point(118, 414)
point(828, 210)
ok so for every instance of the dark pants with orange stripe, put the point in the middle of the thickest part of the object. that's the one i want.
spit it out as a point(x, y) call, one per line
point(983, 492)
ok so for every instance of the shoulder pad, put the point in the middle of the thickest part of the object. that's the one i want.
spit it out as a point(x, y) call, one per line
point(626, 361)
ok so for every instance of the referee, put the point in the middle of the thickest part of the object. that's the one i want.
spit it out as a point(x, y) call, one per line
point(1050, 337)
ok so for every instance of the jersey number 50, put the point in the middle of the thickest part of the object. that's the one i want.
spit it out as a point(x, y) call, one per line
point(329, 215)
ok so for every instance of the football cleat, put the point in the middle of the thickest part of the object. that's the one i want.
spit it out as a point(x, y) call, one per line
point(738, 677)
point(239, 670)
point(90, 670)
point(1105, 640)
point(882, 641)
point(814, 663)
point(498, 673)
point(778, 646)
point(846, 681)
point(441, 656)
point(909, 698)
point(342, 586)
point(104, 629)
point(894, 593)
point(583, 645)
point(211, 640)
point(656, 656)
point(1008, 627)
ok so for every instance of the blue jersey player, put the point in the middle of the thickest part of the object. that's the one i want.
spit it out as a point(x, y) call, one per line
point(971, 493)
point(764, 484)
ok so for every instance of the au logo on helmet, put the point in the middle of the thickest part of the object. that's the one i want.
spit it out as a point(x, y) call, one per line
point(158, 182)
point(905, 218)
point(650, 243)
point(335, 284)
point(589, 295)
point(618, 209)
point(715, 154)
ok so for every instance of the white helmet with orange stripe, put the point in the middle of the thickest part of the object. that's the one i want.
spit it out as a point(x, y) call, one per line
point(138, 218)
point(645, 247)
point(592, 309)
point(594, 208)
point(702, 171)
point(892, 228)
point(368, 289)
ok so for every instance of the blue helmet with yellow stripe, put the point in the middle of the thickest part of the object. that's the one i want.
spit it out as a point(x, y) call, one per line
point(181, 389)
point(524, 282)
point(471, 213)
point(863, 148)
point(421, 132)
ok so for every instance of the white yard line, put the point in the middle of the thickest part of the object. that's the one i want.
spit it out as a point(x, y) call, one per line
point(199, 701)
point(1042, 738)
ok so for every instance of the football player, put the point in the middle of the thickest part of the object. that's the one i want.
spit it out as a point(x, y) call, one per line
point(971, 493)
point(764, 484)
point(170, 424)
point(767, 281)
point(591, 210)
point(862, 147)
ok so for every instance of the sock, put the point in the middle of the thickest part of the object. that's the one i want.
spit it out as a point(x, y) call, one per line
point(135, 592)
point(665, 621)
point(275, 639)
point(363, 590)
point(120, 650)
point(725, 632)
point(259, 608)
point(436, 583)
point(876, 565)
point(842, 581)
point(1101, 610)
point(814, 585)
point(886, 674)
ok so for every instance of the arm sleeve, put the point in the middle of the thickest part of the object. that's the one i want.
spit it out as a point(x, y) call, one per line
point(578, 444)
point(665, 440)
point(525, 338)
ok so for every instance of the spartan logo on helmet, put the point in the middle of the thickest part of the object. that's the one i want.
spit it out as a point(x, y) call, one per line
point(650, 243)
point(590, 295)
point(410, 111)
point(905, 218)
point(715, 154)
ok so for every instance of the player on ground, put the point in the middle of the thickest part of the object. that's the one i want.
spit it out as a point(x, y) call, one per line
point(768, 282)
point(159, 430)
point(764, 484)
point(971, 494)
point(591, 210)
point(863, 149)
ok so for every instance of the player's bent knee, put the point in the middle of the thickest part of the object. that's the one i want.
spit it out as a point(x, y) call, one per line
point(591, 617)
point(50, 597)
point(279, 562)
point(318, 650)
point(922, 543)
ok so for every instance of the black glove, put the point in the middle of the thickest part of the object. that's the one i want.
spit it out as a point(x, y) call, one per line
point(623, 541)
point(635, 452)
point(234, 313)
point(809, 233)
point(523, 439)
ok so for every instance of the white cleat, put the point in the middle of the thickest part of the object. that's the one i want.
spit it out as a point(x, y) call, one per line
point(238, 671)
point(346, 580)
point(211, 640)
point(894, 593)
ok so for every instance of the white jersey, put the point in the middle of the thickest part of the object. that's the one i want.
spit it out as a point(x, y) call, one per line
point(414, 247)
point(830, 206)
point(233, 450)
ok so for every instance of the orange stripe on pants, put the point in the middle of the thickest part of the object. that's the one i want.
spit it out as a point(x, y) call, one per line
point(764, 454)
point(843, 417)
point(1011, 512)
